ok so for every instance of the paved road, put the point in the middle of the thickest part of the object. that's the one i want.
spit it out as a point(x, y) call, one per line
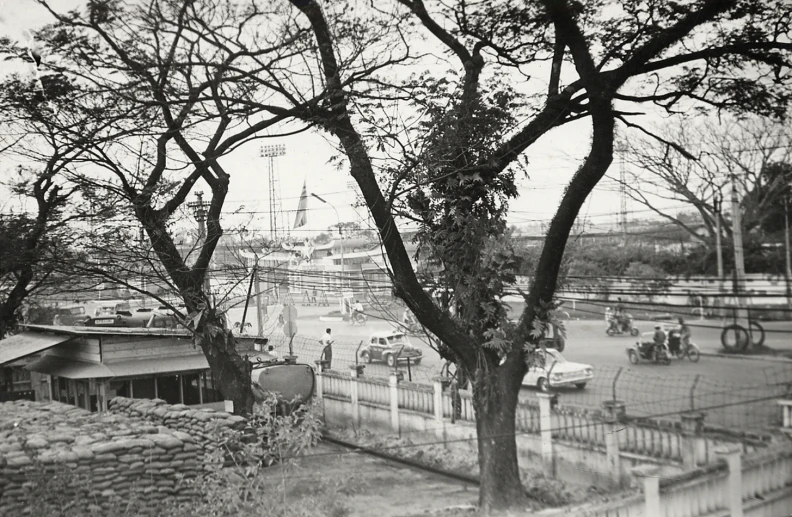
point(727, 389)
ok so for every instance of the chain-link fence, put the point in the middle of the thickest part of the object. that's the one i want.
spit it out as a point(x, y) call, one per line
point(739, 406)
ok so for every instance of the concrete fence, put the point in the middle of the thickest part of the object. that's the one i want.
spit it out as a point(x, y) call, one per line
point(737, 485)
point(598, 447)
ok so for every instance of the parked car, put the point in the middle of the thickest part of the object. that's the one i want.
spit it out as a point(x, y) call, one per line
point(551, 370)
point(391, 347)
point(69, 315)
point(141, 318)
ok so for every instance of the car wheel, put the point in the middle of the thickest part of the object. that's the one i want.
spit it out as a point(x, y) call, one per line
point(580, 385)
point(693, 353)
point(561, 345)
point(634, 331)
point(609, 331)
point(365, 357)
point(543, 385)
point(390, 360)
point(416, 361)
point(633, 355)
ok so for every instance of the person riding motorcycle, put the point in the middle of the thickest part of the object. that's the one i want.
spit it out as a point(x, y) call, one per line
point(684, 332)
point(408, 319)
point(357, 310)
point(620, 316)
point(659, 339)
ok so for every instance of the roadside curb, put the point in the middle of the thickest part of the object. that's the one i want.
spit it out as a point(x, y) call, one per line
point(767, 359)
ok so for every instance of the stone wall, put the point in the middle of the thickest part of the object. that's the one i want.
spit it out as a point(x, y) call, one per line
point(108, 458)
point(202, 424)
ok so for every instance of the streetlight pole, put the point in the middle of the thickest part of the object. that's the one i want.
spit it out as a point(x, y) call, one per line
point(340, 232)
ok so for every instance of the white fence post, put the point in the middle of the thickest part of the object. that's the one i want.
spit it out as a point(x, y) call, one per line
point(692, 429)
point(732, 454)
point(437, 385)
point(649, 474)
point(786, 415)
point(319, 372)
point(393, 381)
point(546, 430)
point(615, 411)
point(355, 371)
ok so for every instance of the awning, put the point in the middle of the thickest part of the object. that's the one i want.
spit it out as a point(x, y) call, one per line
point(71, 369)
point(159, 365)
point(28, 343)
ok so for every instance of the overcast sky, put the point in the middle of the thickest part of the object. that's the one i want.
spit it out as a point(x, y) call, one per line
point(552, 162)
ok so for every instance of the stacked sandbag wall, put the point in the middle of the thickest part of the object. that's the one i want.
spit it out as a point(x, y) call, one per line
point(62, 456)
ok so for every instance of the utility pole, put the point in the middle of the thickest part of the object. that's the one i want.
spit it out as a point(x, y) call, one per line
point(788, 271)
point(739, 255)
point(718, 205)
point(200, 209)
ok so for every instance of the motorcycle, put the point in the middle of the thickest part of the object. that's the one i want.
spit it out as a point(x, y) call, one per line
point(648, 351)
point(357, 318)
point(412, 327)
point(625, 326)
point(679, 350)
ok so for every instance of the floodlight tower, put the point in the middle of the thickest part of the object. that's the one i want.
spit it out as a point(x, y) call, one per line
point(276, 215)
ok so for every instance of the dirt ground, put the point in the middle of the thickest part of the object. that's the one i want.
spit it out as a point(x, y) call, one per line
point(371, 486)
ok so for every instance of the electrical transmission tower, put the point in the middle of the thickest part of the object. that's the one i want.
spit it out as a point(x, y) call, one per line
point(279, 230)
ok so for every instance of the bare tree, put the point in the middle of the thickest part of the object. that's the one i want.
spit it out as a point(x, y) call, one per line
point(689, 165)
point(37, 250)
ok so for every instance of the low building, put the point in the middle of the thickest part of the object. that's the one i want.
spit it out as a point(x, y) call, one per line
point(88, 366)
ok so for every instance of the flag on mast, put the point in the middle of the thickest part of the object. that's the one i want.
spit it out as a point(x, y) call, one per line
point(302, 209)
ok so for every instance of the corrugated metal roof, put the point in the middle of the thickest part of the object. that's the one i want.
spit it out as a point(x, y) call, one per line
point(109, 331)
point(72, 369)
point(28, 343)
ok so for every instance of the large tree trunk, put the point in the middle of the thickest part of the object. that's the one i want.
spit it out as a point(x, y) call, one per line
point(496, 410)
point(231, 371)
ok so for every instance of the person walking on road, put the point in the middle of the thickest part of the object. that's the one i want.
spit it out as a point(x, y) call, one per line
point(327, 348)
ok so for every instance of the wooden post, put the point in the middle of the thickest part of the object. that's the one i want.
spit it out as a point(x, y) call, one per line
point(181, 388)
point(649, 474)
point(200, 387)
point(731, 453)
point(101, 395)
point(546, 431)
point(393, 381)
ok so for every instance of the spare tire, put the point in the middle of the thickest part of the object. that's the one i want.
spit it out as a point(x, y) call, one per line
point(735, 338)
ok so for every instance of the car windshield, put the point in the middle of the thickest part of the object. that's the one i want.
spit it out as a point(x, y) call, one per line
point(398, 339)
point(554, 357)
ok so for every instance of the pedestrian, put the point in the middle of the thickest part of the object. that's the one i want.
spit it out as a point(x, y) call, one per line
point(327, 348)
